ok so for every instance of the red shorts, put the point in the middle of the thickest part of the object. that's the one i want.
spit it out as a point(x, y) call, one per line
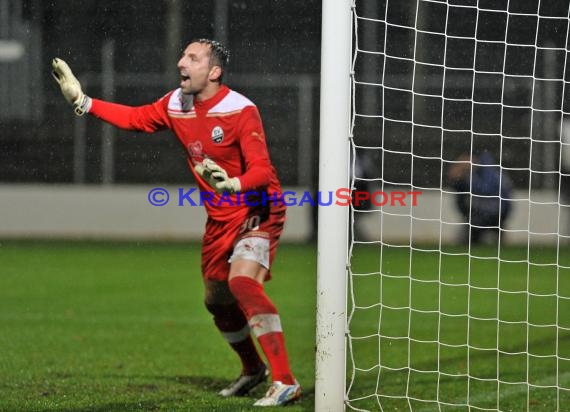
point(221, 237)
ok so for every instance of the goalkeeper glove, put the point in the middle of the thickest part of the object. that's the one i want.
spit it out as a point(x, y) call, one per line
point(217, 177)
point(70, 86)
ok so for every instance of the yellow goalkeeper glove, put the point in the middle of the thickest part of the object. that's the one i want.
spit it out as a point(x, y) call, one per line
point(70, 86)
point(217, 177)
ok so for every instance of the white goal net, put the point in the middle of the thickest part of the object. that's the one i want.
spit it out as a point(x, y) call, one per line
point(460, 301)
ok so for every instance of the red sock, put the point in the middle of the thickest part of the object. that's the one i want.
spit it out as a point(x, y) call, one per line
point(265, 323)
point(232, 323)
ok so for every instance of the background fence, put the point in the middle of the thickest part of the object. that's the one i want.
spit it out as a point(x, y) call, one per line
point(127, 52)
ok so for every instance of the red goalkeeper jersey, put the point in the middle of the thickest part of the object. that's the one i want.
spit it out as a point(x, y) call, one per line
point(226, 128)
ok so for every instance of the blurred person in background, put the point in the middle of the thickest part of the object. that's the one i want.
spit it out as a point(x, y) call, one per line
point(565, 174)
point(484, 193)
point(361, 176)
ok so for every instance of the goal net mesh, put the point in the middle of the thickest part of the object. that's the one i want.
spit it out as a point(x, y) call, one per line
point(460, 301)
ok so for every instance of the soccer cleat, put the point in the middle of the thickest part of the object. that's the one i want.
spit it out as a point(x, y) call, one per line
point(242, 385)
point(280, 394)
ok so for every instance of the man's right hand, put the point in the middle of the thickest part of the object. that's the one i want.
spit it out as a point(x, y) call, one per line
point(70, 86)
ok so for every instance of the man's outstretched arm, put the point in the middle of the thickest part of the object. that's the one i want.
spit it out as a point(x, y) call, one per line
point(147, 118)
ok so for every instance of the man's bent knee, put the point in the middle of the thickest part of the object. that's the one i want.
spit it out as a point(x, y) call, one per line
point(217, 293)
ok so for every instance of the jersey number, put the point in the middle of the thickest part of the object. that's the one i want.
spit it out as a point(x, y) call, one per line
point(251, 223)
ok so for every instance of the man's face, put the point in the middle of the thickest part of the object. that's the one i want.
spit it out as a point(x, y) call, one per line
point(194, 66)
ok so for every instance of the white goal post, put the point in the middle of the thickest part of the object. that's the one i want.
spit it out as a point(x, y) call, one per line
point(333, 174)
point(461, 300)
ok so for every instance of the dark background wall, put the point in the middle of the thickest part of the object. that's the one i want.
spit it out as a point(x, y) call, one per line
point(265, 38)
point(484, 74)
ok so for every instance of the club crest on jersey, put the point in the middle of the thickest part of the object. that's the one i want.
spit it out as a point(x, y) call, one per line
point(195, 151)
point(217, 134)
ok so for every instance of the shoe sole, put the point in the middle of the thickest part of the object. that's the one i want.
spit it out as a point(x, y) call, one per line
point(289, 402)
point(246, 389)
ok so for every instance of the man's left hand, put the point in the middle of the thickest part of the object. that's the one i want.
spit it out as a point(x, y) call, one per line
point(217, 177)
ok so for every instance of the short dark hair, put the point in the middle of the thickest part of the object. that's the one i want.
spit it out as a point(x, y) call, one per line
point(219, 54)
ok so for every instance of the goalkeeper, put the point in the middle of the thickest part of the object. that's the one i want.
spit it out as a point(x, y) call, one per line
point(222, 134)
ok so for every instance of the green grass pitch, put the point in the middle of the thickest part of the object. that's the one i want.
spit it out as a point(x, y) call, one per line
point(462, 327)
point(120, 327)
point(89, 326)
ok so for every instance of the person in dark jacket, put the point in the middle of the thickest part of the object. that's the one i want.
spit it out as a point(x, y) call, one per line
point(484, 194)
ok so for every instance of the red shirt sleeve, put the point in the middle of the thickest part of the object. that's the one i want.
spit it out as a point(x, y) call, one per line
point(148, 118)
point(258, 168)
